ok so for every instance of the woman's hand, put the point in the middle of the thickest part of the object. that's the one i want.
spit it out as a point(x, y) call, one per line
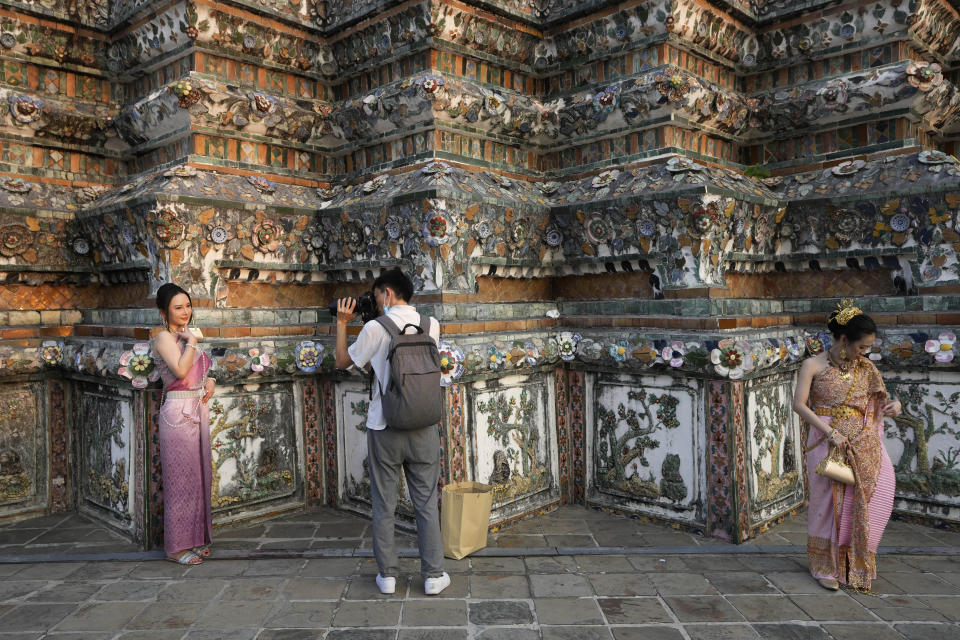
point(838, 439)
point(892, 409)
point(210, 385)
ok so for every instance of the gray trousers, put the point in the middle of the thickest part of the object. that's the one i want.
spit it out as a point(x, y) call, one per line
point(417, 453)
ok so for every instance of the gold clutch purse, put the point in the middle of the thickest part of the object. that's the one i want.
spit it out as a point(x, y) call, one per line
point(835, 467)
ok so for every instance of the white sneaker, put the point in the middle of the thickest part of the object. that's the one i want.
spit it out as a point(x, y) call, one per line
point(433, 586)
point(386, 585)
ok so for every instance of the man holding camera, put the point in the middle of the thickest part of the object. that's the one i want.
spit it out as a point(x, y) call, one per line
point(397, 438)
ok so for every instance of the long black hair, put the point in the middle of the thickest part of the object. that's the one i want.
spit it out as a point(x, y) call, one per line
point(165, 294)
point(858, 326)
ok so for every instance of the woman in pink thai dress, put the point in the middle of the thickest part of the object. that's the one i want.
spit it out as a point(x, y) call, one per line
point(847, 404)
point(184, 432)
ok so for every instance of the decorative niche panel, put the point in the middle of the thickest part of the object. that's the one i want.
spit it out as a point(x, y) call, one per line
point(23, 448)
point(924, 443)
point(255, 437)
point(353, 402)
point(645, 445)
point(774, 447)
point(103, 419)
point(512, 436)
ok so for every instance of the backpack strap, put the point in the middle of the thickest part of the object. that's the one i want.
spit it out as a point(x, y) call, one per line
point(425, 324)
point(391, 328)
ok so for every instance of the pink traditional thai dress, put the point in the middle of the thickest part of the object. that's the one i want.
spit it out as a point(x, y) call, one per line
point(185, 456)
point(846, 522)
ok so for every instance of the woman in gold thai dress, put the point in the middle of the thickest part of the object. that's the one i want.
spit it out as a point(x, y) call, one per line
point(847, 404)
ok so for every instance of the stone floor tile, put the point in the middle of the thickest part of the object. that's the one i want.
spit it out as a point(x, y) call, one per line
point(66, 592)
point(899, 607)
point(291, 634)
point(314, 588)
point(150, 570)
point(305, 615)
point(330, 568)
point(921, 583)
point(101, 571)
point(659, 632)
point(547, 564)
point(564, 540)
point(717, 563)
point(35, 617)
point(459, 587)
point(130, 590)
point(497, 565)
point(219, 569)
point(559, 585)
point(108, 616)
point(603, 564)
point(575, 633)
point(143, 634)
point(512, 633)
point(220, 634)
point(13, 589)
point(452, 566)
point(512, 541)
point(279, 567)
point(242, 532)
point(670, 539)
point(731, 631)
point(919, 631)
point(433, 634)
point(235, 614)
point(367, 614)
point(500, 612)
point(864, 631)
point(633, 610)
point(728, 582)
point(702, 609)
point(253, 589)
point(44, 570)
point(682, 583)
point(300, 544)
point(664, 564)
point(291, 530)
point(336, 530)
point(949, 606)
point(794, 582)
point(80, 635)
point(631, 540)
point(567, 527)
point(579, 611)
point(765, 563)
point(192, 590)
point(432, 612)
point(763, 608)
point(498, 585)
point(791, 632)
point(164, 615)
point(837, 606)
point(622, 584)
point(362, 634)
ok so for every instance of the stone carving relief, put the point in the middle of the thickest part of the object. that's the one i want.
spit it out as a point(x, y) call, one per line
point(105, 418)
point(22, 448)
point(775, 448)
point(638, 450)
point(253, 435)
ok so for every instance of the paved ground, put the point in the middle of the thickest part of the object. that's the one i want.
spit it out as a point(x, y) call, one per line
point(574, 574)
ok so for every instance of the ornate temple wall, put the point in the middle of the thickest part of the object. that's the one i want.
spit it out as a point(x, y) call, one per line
point(630, 218)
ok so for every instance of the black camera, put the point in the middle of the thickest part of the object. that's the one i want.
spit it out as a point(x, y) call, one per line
point(366, 307)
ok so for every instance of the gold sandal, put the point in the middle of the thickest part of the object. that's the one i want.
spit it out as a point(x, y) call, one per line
point(829, 583)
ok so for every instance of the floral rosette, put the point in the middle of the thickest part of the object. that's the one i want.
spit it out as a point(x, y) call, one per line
point(925, 76)
point(942, 348)
point(258, 361)
point(51, 352)
point(604, 179)
point(673, 354)
point(618, 351)
point(598, 230)
point(451, 363)
point(816, 344)
point(138, 366)
point(495, 359)
point(438, 228)
point(266, 236)
point(168, 228)
point(728, 361)
point(309, 355)
point(567, 345)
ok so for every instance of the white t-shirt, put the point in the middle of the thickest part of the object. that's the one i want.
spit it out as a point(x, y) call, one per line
point(373, 346)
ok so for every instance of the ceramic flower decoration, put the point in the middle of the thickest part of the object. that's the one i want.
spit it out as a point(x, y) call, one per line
point(925, 76)
point(309, 355)
point(618, 351)
point(567, 345)
point(942, 348)
point(258, 361)
point(673, 354)
point(728, 362)
point(605, 178)
point(138, 366)
point(51, 352)
point(266, 236)
point(451, 363)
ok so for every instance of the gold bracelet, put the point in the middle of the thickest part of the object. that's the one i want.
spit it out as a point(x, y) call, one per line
point(193, 346)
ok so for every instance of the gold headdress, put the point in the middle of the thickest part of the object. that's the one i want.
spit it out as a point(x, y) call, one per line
point(846, 311)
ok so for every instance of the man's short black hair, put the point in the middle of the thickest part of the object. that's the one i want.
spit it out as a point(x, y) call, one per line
point(396, 280)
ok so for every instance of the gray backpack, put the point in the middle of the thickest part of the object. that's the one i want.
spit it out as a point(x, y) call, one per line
point(412, 400)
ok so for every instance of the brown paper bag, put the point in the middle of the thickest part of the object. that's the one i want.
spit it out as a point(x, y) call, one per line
point(466, 516)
